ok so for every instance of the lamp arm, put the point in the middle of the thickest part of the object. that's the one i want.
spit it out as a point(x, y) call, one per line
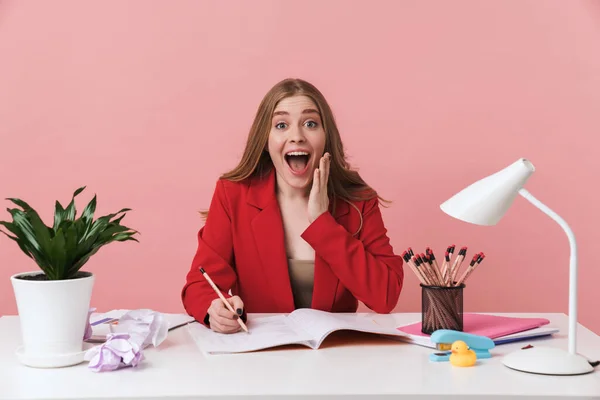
point(572, 266)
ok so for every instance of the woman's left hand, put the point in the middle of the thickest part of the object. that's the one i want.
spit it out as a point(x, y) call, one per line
point(318, 201)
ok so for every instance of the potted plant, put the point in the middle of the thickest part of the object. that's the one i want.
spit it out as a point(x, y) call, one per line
point(53, 303)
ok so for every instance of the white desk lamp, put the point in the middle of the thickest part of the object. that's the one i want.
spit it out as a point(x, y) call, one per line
point(484, 203)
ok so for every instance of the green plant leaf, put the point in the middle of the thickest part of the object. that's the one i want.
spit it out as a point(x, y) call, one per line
point(89, 210)
point(106, 234)
point(111, 216)
point(59, 215)
point(81, 262)
point(122, 237)
point(81, 189)
point(41, 231)
point(20, 203)
point(61, 250)
point(11, 228)
point(10, 236)
point(58, 255)
point(86, 219)
point(98, 226)
point(16, 239)
point(81, 227)
point(71, 211)
point(36, 222)
point(70, 248)
point(29, 247)
point(21, 221)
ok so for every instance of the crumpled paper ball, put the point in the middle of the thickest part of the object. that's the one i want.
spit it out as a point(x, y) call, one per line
point(150, 326)
point(117, 352)
point(135, 330)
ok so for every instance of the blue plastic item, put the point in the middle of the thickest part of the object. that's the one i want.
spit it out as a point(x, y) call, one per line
point(443, 339)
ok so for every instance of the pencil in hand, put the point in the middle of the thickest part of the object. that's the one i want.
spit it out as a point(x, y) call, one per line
point(216, 289)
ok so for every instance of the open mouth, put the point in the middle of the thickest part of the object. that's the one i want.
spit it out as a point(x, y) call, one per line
point(297, 161)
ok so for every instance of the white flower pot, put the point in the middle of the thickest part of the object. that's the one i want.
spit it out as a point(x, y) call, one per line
point(53, 317)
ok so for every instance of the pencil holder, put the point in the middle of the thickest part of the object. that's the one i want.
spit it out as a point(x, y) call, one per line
point(441, 308)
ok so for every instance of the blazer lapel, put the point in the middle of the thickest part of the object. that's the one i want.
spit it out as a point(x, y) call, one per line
point(267, 229)
point(326, 282)
point(268, 232)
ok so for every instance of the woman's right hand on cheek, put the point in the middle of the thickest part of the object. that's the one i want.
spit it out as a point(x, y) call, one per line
point(221, 319)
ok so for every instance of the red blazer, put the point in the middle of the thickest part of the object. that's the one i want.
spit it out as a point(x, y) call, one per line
point(242, 248)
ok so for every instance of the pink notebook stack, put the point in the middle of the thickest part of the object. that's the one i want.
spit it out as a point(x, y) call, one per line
point(486, 325)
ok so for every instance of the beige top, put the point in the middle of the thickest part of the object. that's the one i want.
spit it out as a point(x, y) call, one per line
point(302, 273)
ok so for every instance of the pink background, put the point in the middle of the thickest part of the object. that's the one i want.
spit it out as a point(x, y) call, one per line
point(147, 102)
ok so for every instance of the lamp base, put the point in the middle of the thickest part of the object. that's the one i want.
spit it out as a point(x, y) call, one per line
point(547, 361)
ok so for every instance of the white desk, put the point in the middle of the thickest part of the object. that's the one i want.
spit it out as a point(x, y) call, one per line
point(362, 365)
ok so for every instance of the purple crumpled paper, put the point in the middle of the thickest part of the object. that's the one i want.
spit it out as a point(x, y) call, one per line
point(136, 330)
point(149, 326)
point(117, 352)
point(88, 327)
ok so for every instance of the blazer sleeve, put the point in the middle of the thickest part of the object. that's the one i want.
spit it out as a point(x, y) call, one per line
point(215, 254)
point(367, 267)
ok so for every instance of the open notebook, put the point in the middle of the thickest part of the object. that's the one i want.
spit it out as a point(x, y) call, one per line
point(306, 327)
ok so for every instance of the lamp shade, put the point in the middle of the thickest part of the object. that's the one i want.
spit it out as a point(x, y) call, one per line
point(486, 201)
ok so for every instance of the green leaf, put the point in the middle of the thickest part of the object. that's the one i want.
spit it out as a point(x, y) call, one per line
point(58, 255)
point(41, 231)
point(70, 211)
point(118, 220)
point(11, 228)
point(70, 249)
point(87, 218)
point(20, 203)
point(16, 239)
point(121, 237)
point(59, 215)
point(98, 226)
point(21, 221)
point(81, 262)
point(111, 216)
point(88, 212)
point(12, 237)
point(110, 231)
point(78, 191)
point(81, 227)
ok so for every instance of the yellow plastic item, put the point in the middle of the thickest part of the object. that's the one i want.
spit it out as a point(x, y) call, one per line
point(461, 355)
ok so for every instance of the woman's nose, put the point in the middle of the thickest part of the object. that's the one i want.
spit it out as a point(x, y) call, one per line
point(296, 135)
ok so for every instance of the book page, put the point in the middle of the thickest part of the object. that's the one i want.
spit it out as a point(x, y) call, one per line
point(319, 324)
point(264, 333)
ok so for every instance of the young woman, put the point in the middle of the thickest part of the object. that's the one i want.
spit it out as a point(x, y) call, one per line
point(292, 225)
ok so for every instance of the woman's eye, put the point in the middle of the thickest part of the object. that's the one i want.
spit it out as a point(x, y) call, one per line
point(280, 125)
point(311, 124)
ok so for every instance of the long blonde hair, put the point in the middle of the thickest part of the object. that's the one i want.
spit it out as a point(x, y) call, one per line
point(344, 183)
